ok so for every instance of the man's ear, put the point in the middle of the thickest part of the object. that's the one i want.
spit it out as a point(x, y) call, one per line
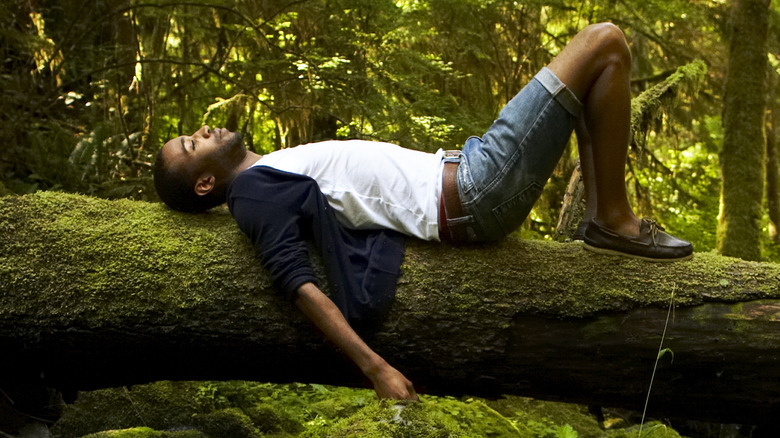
point(204, 184)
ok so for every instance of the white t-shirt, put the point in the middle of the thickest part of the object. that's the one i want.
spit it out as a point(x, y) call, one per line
point(371, 184)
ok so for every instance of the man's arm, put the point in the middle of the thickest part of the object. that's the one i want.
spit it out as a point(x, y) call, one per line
point(388, 382)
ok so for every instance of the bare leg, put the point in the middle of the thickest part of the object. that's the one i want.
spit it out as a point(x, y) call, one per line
point(585, 146)
point(596, 65)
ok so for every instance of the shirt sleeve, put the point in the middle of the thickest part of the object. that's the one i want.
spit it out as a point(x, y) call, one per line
point(272, 221)
point(281, 212)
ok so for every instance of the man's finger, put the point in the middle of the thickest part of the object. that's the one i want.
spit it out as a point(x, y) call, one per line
point(411, 391)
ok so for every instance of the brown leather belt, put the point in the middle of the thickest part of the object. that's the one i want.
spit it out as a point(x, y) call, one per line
point(449, 205)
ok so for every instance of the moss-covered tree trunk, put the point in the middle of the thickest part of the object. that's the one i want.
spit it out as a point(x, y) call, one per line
point(106, 293)
point(772, 188)
point(742, 157)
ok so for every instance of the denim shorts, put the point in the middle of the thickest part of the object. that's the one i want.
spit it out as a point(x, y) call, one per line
point(502, 173)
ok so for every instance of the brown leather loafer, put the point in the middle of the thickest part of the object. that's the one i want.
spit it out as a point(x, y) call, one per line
point(651, 244)
point(579, 234)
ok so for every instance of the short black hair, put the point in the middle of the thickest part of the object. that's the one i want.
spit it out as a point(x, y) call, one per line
point(176, 188)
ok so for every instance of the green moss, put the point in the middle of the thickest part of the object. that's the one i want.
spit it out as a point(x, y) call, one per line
point(273, 420)
point(79, 262)
point(650, 430)
point(251, 409)
point(217, 409)
point(645, 107)
point(338, 406)
point(432, 418)
point(121, 258)
point(535, 415)
point(72, 260)
point(231, 422)
point(160, 405)
point(564, 280)
point(145, 432)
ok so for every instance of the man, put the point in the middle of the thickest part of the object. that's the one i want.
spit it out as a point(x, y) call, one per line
point(354, 198)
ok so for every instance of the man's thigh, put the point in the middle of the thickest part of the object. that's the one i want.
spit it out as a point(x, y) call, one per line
point(502, 173)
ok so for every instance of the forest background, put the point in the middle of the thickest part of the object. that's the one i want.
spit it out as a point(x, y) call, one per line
point(92, 89)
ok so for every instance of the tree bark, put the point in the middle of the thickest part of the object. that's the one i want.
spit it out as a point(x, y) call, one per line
point(744, 145)
point(573, 208)
point(104, 293)
point(772, 188)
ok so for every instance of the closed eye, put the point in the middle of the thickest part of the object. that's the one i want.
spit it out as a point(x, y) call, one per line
point(184, 146)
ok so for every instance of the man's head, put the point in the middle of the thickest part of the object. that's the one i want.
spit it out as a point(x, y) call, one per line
point(192, 172)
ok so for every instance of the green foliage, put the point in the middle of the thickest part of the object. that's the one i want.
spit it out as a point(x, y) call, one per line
point(548, 419)
point(651, 430)
point(91, 93)
point(546, 430)
point(664, 351)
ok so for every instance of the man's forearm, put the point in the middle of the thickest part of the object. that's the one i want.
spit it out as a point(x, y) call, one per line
point(387, 381)
point(327, 317)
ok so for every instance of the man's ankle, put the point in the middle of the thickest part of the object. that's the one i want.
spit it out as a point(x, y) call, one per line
point(623, 225)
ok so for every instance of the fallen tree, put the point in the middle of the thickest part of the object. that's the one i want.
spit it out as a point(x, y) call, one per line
point(106, 293)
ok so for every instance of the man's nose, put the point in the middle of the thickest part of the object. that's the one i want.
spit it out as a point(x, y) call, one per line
point(204, 131)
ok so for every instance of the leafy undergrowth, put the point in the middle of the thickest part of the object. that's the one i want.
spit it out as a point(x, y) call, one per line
point(239, 409)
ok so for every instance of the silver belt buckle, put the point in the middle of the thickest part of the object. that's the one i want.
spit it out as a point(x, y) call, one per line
point(452, 156)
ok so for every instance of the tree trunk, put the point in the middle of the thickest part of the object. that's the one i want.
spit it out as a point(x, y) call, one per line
point(104, 293)
point(742, 157)
point(772, 189)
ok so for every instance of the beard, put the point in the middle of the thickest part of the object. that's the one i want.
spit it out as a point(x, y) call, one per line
point(228, 155)
point(234, 145)
point(223, 161)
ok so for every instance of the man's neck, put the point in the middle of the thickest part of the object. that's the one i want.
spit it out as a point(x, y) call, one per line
point(249, 159)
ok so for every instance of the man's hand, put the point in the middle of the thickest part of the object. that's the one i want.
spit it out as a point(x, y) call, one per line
point(388, 382)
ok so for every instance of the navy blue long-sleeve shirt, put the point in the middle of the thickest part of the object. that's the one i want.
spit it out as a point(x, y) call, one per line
point(281, 211)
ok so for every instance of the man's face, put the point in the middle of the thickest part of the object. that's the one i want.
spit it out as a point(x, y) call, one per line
point(215, 151)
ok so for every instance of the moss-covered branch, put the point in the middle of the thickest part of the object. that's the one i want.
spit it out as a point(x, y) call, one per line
point(99, 292)
point(645, 107)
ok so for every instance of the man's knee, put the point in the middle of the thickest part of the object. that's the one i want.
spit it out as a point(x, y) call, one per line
point(610, 40)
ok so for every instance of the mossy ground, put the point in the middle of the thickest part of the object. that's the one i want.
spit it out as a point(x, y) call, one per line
point(240, 409)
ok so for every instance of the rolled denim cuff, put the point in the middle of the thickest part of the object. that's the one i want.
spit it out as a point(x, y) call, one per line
point(561, 93)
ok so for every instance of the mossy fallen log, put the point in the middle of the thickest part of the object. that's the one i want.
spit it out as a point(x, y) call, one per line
point(105, 293)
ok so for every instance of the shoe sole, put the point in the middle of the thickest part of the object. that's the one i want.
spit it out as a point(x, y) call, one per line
point(634, 256)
